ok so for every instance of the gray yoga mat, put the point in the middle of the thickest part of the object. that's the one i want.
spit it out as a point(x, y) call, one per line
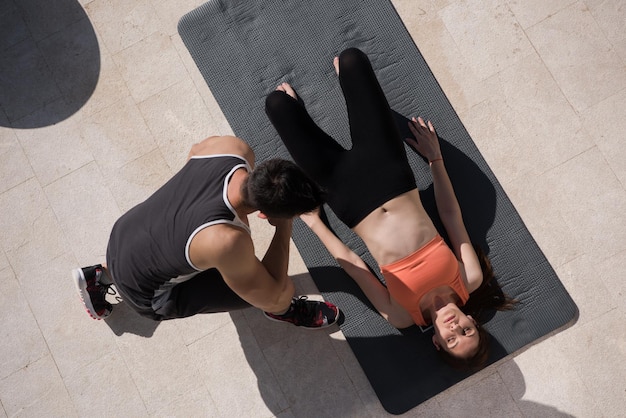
point(245, 48)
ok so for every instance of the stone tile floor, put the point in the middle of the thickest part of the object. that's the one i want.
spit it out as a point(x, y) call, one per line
point(99, 104)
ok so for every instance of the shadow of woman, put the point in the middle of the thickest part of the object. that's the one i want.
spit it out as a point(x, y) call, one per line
point(289, 365)
point(50, 61)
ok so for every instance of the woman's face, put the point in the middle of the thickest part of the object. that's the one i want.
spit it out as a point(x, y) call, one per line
point(455, 332)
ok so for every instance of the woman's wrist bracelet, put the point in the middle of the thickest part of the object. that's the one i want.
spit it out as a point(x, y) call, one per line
point(434, 160)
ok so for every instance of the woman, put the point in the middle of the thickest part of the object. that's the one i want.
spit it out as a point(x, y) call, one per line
point(371, 188)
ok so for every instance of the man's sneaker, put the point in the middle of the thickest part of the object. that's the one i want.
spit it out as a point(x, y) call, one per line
point(92, 293)
point(306, 313)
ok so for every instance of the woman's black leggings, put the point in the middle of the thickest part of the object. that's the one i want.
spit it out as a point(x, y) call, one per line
point(369, 174)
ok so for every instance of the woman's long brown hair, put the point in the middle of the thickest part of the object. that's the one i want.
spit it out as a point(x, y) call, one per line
point(489, 295)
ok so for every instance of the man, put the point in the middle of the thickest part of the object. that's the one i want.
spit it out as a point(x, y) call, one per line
point(187, 249)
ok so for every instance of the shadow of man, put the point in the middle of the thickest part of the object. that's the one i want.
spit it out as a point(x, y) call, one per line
point(125, 320)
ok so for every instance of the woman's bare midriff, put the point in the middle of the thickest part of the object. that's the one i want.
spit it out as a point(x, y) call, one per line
point(396, 229)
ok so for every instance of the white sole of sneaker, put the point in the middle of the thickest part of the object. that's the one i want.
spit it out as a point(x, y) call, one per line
point(300, 326)
point(81, 288)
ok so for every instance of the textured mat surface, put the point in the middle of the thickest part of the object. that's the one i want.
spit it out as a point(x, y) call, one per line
point(245, 48)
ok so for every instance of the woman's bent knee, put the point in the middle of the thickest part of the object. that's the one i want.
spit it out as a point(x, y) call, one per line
point(352, 57)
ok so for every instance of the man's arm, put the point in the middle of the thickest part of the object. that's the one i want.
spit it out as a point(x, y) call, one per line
point(264, 285)
point(426, 143)
point(276, 259)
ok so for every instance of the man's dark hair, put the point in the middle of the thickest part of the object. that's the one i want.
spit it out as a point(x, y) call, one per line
point(280, 189)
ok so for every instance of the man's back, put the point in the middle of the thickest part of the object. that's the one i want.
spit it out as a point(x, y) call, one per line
point(149, 245)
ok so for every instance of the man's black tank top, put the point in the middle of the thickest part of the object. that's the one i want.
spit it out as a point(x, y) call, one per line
point(149, 244)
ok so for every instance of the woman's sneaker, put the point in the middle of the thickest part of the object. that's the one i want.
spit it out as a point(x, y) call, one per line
point(309, 314)
point(92, 293)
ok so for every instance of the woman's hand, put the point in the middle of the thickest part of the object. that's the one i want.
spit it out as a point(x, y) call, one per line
point(276, 222)
point(311, 218)
point(425, 141)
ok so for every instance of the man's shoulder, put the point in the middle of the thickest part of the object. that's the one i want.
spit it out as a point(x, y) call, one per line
point(220, 244)
point(223, 145)
point(224, 235)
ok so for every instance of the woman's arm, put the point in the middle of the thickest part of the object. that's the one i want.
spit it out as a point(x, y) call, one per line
point(426, 143)
point(358, 270)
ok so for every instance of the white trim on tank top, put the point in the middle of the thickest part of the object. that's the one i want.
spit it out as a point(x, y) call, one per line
point(235, 222)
